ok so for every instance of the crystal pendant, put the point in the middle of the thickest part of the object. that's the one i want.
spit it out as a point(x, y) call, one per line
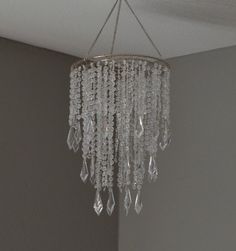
point(166, 138)
point(75, 146)
point(138, 204)
point(88, 125)
point(152, 169)
point(71, 137)
point(139, 129)
point(164, 144)
point(78, 134)
point(98, 203)
point(128, 200)
point(77, 139)
point(92, 172)
point(84, 171)
point(111, 202)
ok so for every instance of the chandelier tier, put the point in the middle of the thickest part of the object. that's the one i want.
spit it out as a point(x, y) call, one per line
point(120, 110)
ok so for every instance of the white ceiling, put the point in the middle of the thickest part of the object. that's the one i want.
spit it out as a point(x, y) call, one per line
point(178, 27)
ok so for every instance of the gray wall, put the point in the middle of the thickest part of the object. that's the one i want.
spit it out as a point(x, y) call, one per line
point(43, 204)
point(192, 207)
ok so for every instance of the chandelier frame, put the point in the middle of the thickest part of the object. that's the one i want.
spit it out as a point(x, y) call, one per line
point(120, 110)
point(87, 61)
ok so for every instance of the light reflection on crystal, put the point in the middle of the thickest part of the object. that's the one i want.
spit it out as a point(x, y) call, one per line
point(139, 128)
point(152, 169)
point(98, 206)
point(138, 203)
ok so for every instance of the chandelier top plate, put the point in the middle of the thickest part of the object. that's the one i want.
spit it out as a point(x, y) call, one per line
point(119, 57)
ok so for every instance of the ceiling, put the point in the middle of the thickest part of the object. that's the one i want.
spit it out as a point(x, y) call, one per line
point(178, 27)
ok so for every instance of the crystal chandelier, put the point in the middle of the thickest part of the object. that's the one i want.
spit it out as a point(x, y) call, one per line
point(119, 109)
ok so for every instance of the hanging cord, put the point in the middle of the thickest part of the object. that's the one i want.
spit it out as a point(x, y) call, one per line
point(116, 27)
point(144, 30)
point(100, 32)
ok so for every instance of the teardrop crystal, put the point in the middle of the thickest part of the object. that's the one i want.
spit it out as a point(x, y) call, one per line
point(152, 169)
point(164, 144)
point(92, 171)
point(71, 137)
point(84, 171)
point(78, 134)
point(98, 206)
point(127, 201)
point(166, 139)
point(111, 202)
point(77, 139)
point(88, 127)
point(138, 204)
point(139, 128)
point(75, 146)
